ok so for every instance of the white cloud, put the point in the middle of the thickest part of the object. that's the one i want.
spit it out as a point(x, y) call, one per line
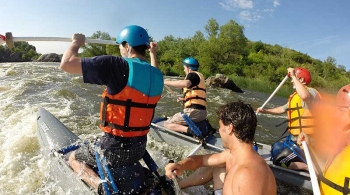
point(249, 16)
point(240, 4)
point(276, 3)
point(245, 15)
point(225, 6)
point(268, 10)
point(251, 10)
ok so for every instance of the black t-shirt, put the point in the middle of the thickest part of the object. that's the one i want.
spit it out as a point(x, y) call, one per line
point(194, 78)
point(111, 71)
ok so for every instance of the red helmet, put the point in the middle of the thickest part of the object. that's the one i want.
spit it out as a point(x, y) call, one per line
point(343, 96)
point(303, 73)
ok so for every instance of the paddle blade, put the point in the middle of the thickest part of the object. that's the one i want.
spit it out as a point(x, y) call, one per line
point(2, 39)
point(9, 40)
point(177, 188)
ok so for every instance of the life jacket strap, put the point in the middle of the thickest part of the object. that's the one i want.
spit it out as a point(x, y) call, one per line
point(196, 97)
point(300, 127)
point(67, 149)
point(295, 108)
point(195, 88)
point(345, 190)
point(128, 104)
point(125, 128)
point(193, 126)
point(101, 174)
point(300, 117)
point(295, 118)
point(281, 123)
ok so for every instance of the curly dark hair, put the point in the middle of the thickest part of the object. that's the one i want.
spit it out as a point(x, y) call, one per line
point(242, 117)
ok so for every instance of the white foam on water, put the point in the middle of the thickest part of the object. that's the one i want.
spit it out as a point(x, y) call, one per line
point(22, 169)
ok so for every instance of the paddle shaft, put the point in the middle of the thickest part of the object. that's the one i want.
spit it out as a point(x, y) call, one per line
point(195, 150)
point(177, 188)
point(199, 146)
point(176, 184)
point(10, 39)
point(207, 145)
point(170, 90)
point(314, 182)
point(274, 92)
point(63, 39)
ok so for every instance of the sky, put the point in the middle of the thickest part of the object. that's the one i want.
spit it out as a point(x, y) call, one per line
point(318, 28)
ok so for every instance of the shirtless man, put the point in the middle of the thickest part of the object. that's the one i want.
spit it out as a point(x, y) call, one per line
point(246, 172)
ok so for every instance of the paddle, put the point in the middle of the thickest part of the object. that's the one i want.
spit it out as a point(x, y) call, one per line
point(195, 150)
point(171, 91)
point(274, 92)
point(9, 39)
point(177, 188)
point(176, 184)
point(314, 182)
point(182, 136)
point(153, 167)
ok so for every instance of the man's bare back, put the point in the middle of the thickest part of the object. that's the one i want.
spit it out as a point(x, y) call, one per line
point(242, 172)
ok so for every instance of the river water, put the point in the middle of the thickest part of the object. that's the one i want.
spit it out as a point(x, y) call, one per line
point(25, 87)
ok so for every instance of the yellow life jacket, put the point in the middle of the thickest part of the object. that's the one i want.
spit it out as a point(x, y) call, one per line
point(299, 119)
point(196, 95)
point(336, 179)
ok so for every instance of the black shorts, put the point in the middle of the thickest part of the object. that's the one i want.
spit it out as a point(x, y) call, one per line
point(122, 158)
point(117, 151)
point(287, 156)
point(85, 153)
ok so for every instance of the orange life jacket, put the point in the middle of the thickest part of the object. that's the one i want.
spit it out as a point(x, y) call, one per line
point(197, 94)
point(129, 113)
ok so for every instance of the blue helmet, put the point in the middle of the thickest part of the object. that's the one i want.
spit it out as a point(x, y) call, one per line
point(191, 62)
point(134, 35)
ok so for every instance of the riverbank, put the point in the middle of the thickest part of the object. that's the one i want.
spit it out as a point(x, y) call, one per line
point(260, 85)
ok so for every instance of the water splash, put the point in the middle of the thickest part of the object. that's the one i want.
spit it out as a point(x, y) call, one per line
point(27, 86)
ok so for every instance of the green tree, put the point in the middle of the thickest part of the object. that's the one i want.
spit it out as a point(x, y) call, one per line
point(233, 42)
point(28, 51)
point(329, 68)
point(258, 46)
point(212, 28)
point(90, 50)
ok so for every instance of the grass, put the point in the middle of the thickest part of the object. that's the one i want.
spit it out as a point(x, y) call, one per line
point(260, 85)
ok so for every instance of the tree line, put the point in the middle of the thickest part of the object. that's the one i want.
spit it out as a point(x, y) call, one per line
point(225, 49)
point(27, 52)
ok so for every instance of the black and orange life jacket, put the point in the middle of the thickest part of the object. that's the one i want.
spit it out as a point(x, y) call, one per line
point(129, 113)
point(196, 95)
